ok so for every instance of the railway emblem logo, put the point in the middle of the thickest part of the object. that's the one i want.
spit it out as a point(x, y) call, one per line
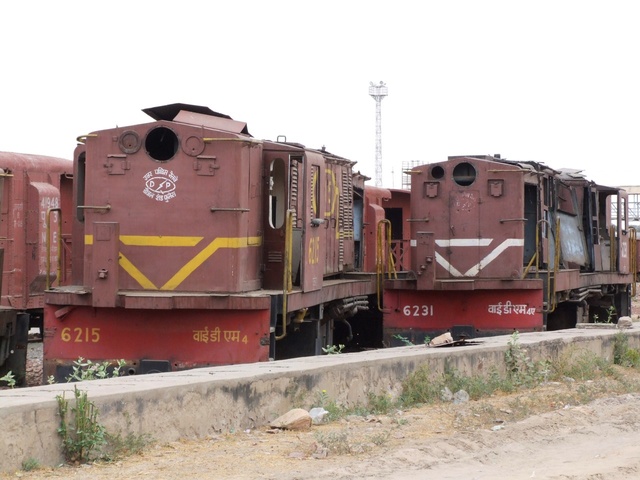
point(160, 184)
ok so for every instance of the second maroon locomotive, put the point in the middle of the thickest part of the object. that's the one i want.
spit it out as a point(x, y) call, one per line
point(500, 246)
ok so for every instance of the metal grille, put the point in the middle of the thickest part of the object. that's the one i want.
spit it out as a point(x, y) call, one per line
point(346, 206)
point(293, 198)
point(274, 257)
point(346, 214)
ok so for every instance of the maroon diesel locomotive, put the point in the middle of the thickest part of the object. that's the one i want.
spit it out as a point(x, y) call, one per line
point(34, 246)
point(196, 244)
point(500, 245)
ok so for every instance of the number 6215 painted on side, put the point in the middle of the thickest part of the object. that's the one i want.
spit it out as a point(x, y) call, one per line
point(80, 335)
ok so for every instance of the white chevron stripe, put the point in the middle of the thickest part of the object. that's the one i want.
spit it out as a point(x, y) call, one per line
point(465, 242)
point(474, 242)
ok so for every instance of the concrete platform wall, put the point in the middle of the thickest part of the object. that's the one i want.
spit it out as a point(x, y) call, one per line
point(200, 402)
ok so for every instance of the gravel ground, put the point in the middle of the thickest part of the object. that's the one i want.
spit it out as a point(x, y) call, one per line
point(34, 364)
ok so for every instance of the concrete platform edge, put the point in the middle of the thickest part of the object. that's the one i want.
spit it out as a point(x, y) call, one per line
point(202, 402)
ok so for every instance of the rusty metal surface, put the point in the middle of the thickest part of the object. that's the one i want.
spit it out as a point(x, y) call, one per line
point(193, 301)
point(184, 340)
point(31, 184)
point(331, 290)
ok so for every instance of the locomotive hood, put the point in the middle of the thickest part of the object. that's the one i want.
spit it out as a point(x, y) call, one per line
point(196, 115)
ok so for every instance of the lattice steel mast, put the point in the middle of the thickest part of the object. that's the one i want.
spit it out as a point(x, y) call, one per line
point(378, 92)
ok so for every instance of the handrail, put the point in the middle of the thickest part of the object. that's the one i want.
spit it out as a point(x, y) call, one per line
point(613, 251)
point(287, 284)
point(95, 207)
point(556, 264)
point(391, 268)
point(530, 264)
point(48, 242)
point(537, 254)
point(551, 292)
point(634, 259)
point(232, 139)
point(82, 138)
point(398, 249)
point(222, 209)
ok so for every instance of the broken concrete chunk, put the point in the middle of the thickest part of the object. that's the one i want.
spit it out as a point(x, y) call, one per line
point(296, 419)
point(625, 322)
point(441, 340)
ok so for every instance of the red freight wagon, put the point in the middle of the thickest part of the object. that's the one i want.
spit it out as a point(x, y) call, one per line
point(35, 242)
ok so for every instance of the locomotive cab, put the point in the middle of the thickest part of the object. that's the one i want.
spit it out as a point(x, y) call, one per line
point(313, 213)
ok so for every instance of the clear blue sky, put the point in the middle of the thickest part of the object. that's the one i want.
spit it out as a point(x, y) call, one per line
point(552, 81)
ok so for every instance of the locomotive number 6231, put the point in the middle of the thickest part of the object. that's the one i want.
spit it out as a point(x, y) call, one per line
point(418, 310)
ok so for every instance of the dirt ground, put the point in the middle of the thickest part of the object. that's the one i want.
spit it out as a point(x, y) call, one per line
point(542, 433)
point(568, 430)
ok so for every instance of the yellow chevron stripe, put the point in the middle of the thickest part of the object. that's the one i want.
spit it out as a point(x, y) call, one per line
point(132, 270)
point(159, 241)
point(152, 241)
point(171, 241)
point(201, 257)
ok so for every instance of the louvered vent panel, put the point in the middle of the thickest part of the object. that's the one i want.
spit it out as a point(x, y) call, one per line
point(293, 199)
point(346, 207)
point(274, 257)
